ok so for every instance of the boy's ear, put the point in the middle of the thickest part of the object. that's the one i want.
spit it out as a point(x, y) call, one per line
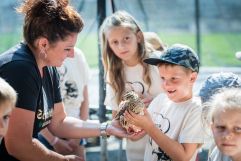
point(193, 77)
point(140, 37)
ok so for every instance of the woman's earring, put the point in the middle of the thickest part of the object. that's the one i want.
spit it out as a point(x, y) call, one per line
point(43, 53)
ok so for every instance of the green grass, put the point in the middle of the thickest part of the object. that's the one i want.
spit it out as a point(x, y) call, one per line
point(217, 49)
point(220, 49)
point(88, 44)
point(7, 40)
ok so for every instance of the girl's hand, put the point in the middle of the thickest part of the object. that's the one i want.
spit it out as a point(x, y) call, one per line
point(143, 121)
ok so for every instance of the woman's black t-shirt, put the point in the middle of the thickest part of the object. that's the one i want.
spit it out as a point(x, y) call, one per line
point(35, 93)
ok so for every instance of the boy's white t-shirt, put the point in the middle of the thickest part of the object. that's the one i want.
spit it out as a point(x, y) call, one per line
point(134, 78)
point(74, 76)
point(179, 121)
point(216, 155)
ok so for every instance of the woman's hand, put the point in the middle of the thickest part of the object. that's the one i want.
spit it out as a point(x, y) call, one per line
point(63, 147)
point(115, 129)
point(73, 158)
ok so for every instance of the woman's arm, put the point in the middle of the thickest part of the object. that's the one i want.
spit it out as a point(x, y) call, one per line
point(69, 127)
point(59, 145)
point(24, 147)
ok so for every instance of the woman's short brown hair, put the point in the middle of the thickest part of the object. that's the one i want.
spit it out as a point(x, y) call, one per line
point(52, 19)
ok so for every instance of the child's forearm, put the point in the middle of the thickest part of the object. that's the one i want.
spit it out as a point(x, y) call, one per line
point(175, 150)
point(84, 107)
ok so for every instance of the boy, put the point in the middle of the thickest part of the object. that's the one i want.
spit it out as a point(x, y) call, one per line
point(173, 122)
point(7, 102)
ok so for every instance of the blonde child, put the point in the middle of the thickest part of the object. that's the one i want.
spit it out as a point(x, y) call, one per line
point(212, 85)
point(154, 40)
point(8, 98)
point(173, 122)
point(124, 49)
point(226, 125)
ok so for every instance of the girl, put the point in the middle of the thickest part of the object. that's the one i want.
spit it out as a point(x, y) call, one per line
point(226, 125)
point(124, 49)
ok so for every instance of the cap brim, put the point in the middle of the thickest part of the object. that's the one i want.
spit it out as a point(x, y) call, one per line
point(152, 61)
point(156, 61)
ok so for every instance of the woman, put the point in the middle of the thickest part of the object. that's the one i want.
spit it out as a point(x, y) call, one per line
point(50, 31)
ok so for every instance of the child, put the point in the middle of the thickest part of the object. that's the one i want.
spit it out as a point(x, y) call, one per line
point(154, 40)
point(8, 98)
point(124, 49)
point(226, 125)
point(212, 85)
point(173, 122)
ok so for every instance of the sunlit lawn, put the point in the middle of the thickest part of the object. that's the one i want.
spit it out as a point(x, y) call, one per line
point(216, 49)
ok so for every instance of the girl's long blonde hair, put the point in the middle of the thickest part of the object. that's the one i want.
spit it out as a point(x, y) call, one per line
point(112, 64)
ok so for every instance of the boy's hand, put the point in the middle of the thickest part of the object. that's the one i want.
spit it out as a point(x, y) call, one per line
point(143, 121)
point(137, 136)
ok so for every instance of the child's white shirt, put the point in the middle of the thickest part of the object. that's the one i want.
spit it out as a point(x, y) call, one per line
point(135, 149)
point(74, 76)
point(179, 121)
point(134, 74)
point(216, 155)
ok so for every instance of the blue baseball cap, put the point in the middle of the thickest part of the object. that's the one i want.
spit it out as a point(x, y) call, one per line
point(217, 81)
point(178, 54)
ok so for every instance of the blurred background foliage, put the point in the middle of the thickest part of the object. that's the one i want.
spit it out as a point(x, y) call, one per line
point(173, 20)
